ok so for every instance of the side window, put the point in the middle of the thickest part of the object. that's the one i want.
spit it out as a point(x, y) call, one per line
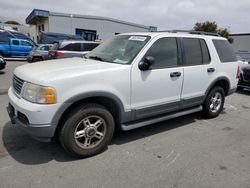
point(25, 43)
point(164, 51)
point(192, 49)
point(66, 47)
point(43, 48)
point(89, 46)
point(224, 50)
point(76, 47)
point(15, 42)
point(205, 52)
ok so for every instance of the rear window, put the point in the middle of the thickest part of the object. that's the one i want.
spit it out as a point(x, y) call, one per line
point(192, 51)
point(196, 51)
point(89, 46)
point(66, 47)
point(224, 50)
point(15, 42)
point(76, 47)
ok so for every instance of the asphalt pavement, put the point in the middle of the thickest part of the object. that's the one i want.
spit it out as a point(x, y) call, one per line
point(184, 152)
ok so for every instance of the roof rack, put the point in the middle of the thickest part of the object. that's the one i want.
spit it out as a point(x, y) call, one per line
point(191, 32)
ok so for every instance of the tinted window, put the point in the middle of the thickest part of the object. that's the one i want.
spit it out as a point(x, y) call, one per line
point(164, 51)
point(76, 47)
point(205, 53)
point(89, 47)
point(15, 42)
point(224, 50)
point(192, 51)
point(66, 47)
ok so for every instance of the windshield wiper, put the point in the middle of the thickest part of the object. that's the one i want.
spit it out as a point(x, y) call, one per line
point(96, 58)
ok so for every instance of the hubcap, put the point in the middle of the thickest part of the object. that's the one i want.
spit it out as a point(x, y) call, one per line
point(90, 131)
point(215, 102)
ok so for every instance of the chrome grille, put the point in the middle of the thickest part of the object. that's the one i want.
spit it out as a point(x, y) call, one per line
point(17, 84)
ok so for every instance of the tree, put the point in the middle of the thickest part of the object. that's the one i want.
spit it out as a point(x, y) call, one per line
point(12, 22)
point(213, 27)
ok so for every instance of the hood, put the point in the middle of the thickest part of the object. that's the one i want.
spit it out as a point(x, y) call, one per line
point(43, 72)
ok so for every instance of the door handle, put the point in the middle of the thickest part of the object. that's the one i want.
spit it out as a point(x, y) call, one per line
point(175, 74)
point(210, 69)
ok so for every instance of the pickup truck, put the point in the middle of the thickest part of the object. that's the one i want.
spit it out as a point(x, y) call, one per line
point(16, 48)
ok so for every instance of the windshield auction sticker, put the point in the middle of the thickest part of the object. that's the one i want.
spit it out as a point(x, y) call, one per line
point(137, 38)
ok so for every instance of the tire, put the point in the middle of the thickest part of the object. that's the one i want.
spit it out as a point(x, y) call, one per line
point(80, 137)
point(1, 54)
point(36, 59)
point(214, 102)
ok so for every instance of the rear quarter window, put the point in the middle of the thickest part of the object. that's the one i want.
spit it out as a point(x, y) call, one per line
point(225, 51)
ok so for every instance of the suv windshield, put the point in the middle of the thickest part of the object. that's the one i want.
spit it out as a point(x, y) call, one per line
point(121, 49)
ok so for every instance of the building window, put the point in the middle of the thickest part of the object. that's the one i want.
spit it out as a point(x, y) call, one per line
point(88, 35)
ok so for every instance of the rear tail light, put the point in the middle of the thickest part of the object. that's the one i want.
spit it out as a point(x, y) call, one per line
point(58, 54)
point(238, 72)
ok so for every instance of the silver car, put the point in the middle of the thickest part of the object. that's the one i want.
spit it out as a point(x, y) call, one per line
point(39, 53)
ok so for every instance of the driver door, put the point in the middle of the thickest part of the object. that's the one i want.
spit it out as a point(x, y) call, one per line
point(158, 90)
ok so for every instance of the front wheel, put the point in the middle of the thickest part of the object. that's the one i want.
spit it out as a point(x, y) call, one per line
point(214, 102)
point(87, 130)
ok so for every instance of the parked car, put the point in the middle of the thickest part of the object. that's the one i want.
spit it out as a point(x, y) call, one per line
point(130, 81)
point(244, 80)
point(15, 48)
point(5, 36)
point(2, 63)
point(67, 49)
point(39, 53)
point(51, 38)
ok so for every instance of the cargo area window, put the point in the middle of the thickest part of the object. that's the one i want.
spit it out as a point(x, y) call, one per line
point(225, 51)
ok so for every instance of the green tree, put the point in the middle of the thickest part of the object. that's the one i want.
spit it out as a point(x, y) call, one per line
point(213, 27)
point(12, 22)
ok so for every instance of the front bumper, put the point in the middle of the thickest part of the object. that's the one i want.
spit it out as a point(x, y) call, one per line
point(35, 119)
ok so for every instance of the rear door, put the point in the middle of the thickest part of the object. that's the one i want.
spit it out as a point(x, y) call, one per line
point(198, 71)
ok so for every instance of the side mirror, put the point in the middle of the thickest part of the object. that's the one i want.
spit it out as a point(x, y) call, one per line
point(146, 63)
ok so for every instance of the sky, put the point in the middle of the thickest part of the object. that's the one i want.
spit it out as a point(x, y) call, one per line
point(165, 14)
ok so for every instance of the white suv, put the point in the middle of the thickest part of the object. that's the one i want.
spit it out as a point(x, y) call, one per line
point(130, 81)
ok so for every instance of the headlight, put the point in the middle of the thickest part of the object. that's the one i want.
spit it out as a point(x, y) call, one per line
point(39, 94)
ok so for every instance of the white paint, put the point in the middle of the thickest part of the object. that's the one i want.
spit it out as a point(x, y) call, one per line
point(173, 161)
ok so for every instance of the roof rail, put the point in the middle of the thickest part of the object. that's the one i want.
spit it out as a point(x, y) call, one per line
point(191, 32)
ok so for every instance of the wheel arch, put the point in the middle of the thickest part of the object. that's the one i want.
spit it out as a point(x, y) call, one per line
point(222, 82)
point(108, 100)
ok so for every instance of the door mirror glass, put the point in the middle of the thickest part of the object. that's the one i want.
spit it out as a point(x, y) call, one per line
point(146, 63)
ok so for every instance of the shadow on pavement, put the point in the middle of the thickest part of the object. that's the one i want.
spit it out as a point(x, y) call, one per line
point(26, 150)
point(2, 72)
point(244, 92)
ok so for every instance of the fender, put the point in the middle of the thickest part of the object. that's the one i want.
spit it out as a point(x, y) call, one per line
point(124, 115)
point(221, 78)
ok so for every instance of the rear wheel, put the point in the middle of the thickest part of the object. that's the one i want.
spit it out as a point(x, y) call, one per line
point(36, 59)
point(87, 130)
point(214, 102)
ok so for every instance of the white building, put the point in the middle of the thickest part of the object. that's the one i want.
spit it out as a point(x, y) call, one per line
point(90, 27)
point(241, 45)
